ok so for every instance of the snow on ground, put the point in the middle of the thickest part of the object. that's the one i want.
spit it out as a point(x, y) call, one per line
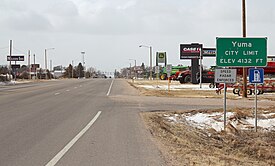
point(215, 121)
point(177, 87)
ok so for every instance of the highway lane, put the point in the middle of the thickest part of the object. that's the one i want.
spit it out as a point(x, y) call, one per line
point(39, 120)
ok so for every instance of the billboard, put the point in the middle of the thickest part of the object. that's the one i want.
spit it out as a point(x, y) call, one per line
point(190, 51)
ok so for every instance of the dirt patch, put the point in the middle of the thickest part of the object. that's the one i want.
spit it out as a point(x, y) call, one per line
point(184, 144)
point(188, 92)
point(172, 93)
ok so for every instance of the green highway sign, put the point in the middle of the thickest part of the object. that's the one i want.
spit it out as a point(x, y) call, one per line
point(241, 52)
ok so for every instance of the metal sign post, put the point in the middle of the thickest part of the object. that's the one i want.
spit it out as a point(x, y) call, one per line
point(168, 70)
point(224, 108)
point(256, 76)
point(201, 52)
point(157, 72)
point(225, 76)
point(256, 109)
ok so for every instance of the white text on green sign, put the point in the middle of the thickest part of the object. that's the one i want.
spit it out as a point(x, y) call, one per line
point(241, 52)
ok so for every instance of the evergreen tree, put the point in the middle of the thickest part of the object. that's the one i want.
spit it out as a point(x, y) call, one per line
point(80, 71)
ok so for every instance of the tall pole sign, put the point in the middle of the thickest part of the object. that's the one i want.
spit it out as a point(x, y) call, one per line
point(193, 51)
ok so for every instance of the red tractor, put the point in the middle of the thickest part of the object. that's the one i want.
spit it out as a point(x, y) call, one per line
point(207, 76)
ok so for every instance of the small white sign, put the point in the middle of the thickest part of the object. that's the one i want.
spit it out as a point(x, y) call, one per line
point(157, 69)
point(225, 75)
point(168, 70)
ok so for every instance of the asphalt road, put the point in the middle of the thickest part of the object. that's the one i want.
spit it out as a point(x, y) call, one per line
point(81, 122)
point(38, 120)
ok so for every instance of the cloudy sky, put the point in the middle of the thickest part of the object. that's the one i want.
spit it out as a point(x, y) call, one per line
point(110, 31)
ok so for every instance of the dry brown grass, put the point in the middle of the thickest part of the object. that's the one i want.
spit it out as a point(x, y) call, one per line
point(186, 93)
point(183, 144)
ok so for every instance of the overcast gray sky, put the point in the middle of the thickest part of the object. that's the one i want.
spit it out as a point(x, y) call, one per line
point(110, 31)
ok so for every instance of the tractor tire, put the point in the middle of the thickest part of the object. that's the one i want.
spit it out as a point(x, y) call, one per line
point(163, 77)
point(248, 91)
point(181, 80)
point(187, 78)
point(212, 85)
point(259, 91)
point(236, 91)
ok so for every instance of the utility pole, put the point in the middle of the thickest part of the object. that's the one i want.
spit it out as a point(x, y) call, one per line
point(46, 64)
point(150, 48)
point(83, 53)
point(29, 63)
point(34, 67)
point(130, 71)
point(51, 63)
point(135, 73)
point(10, 59)
point(45, 59)
point(151, 75)
point(72, 69)
point(135, 70)
point(244, 35)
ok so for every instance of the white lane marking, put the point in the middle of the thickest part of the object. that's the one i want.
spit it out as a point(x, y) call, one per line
point(68, 90)
point(72, 142)
point(75, 87)
point(108, 93)
point(57, 94)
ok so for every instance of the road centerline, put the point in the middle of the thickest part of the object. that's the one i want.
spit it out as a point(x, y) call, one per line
point(60, 154)
point(109, 91)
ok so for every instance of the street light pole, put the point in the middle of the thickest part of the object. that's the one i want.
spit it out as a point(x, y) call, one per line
point(46, 61)
point(83, 53)
point(10, 71)
point(34, 67)
point(150, 48)
point(135, 68)
point(130, 71)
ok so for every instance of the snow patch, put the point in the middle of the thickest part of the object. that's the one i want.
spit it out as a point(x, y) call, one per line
point(216, 121)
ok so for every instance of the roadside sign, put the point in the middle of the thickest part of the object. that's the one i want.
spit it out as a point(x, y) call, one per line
point(209, 52)
point(15, 67)
point(161, 57)
point(190, 51)
point(225, 75)
point(241, 52)
point(256, 75)
point(15, 58)
point(168, 70)
point(157, 69)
